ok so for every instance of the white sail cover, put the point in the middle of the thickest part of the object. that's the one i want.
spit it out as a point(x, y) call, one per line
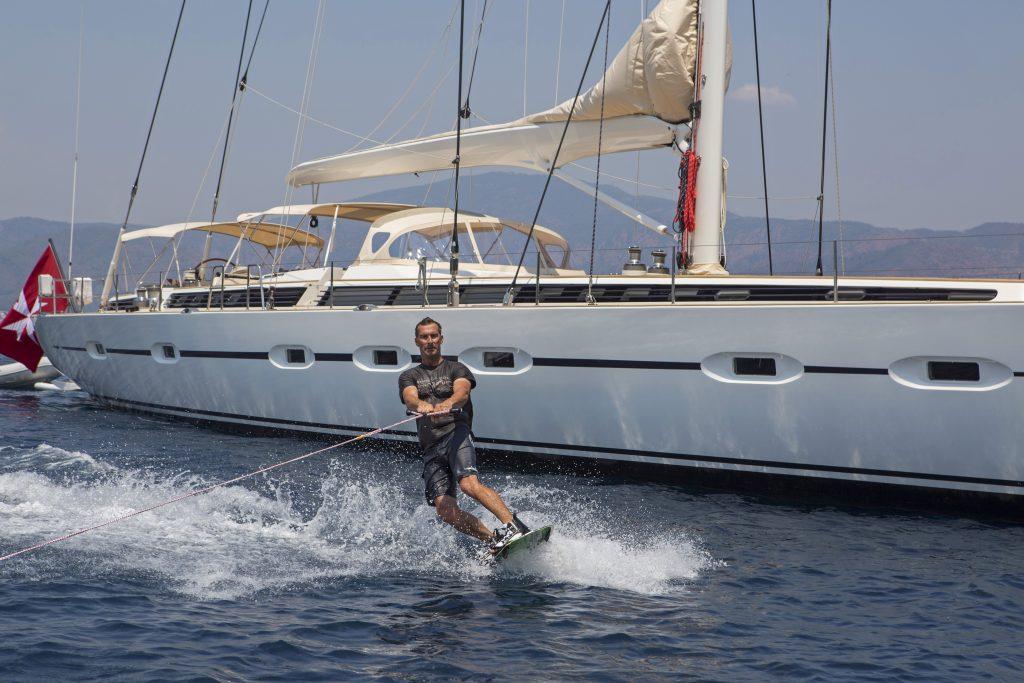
point(652, 75)
point(528, 145)
point(647, 88)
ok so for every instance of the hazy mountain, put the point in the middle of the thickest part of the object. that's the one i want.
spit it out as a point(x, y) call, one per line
point(993, 249)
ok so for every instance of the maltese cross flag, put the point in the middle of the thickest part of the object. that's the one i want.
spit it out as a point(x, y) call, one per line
point(17, 329)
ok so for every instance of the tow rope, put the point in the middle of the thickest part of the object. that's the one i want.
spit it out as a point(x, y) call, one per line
point(686, 206)
point(207, 489)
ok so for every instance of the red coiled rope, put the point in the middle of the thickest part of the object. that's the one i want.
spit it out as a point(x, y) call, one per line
point(686, 206)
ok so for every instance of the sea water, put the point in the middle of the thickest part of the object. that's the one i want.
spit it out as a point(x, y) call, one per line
point(335, 568)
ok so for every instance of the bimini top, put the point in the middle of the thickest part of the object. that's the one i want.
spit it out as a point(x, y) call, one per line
point(356, 211)
point(269, 235)
point(434, 224)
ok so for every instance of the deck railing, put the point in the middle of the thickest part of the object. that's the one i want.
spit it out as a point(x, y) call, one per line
point(608, 260)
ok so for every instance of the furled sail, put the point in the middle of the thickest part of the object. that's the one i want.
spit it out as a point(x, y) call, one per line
point(652, 75)
point(647, 89)
point(526, 145)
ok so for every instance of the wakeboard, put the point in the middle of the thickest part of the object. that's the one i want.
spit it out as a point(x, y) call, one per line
point(524, 543)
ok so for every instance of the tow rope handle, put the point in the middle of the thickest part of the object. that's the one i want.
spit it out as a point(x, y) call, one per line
point(450, 411)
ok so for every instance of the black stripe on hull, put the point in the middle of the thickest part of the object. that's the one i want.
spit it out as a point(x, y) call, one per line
point(786, 489)
point(542, 362)
point(592, 451)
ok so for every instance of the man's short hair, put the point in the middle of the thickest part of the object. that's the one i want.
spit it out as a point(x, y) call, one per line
point(426, 321)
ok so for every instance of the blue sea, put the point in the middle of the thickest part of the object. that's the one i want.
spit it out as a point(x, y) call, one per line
point(335, 569)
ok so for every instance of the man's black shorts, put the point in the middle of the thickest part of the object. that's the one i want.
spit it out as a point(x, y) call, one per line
point(448, 460)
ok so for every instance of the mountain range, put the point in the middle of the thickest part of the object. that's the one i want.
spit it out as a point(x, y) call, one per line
point(987, 250)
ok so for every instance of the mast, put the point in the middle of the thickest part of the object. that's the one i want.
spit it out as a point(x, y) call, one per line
point(707, 237)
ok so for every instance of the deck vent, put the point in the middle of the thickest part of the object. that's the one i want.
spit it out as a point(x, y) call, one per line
point(168, 351)
point(385, 357)
point(499, 359)
point(953, 371)
point(762, 367)
point(296, 356)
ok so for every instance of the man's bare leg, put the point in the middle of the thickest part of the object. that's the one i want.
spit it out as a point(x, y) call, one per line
point(448, 510)
point(488, 497)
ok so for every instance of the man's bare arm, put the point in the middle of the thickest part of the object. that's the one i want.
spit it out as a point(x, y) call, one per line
point(411, 398)
point(460, 394)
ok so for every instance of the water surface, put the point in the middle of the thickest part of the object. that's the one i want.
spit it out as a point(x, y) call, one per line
point(335, 568)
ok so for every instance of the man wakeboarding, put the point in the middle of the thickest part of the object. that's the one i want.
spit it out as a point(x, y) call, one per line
point(442, 386)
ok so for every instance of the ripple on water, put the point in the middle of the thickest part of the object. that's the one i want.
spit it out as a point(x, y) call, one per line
point(337, 569)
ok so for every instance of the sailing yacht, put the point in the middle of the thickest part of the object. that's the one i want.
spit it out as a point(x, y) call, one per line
point(850, 384)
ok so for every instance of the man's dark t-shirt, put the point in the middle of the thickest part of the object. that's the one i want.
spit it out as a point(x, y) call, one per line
point(434, 386)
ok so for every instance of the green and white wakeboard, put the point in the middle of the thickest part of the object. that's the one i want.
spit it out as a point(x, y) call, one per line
point(524, 543)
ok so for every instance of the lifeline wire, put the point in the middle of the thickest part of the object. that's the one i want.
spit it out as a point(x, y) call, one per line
point(207, 489)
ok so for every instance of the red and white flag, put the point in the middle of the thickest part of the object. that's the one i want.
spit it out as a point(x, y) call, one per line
point(17, 329)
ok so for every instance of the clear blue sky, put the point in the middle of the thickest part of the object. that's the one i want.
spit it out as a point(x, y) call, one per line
point(930, 94)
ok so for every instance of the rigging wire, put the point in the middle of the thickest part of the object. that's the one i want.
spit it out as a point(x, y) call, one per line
point(597, 174)
point(252, 50)
point(74, 162)
point(235, 90)
point(465, 111)
point(149, 134)
point(824, 131)
point(453, 260)
point(835, 157)
point(442, 41)
point(558, 60)
point(636, 193)
point(232, 112)
point(526, 53)
point(314, 50)
point(510, 293)
point(760, 125)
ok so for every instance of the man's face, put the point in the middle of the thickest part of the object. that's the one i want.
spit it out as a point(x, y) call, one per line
point(428, 340)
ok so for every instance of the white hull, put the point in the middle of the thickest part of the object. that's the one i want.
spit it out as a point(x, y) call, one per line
point(639, 383)
point(17, 376)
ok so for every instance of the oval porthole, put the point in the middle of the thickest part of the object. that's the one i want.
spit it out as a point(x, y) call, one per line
point(381, 358)
point(291, 357)
point(165, 353)
point(945, 373)
point(752, 368)
point(496, 360)
point(96, 350)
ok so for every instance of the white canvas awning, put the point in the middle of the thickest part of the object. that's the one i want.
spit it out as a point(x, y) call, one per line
point(269, 235)
point(356, 211)
point(523, 145)
point(435, 223)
